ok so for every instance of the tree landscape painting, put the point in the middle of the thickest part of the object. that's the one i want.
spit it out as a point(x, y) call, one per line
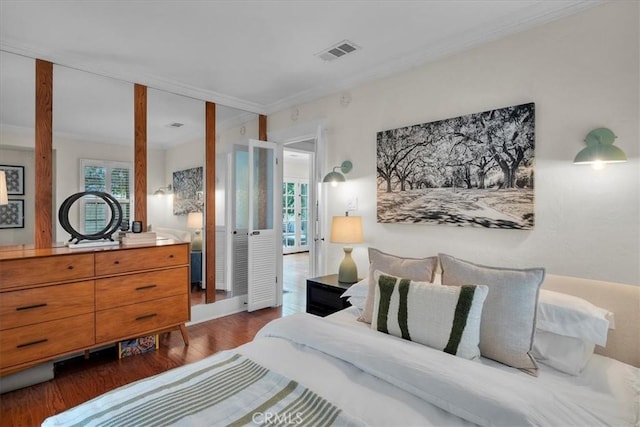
point(474, 170)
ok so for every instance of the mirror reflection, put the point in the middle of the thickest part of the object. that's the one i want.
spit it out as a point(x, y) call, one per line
point(175, 176)
point(93, 146)
point(17, 106)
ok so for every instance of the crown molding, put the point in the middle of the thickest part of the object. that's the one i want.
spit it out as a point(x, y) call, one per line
point(150, 80)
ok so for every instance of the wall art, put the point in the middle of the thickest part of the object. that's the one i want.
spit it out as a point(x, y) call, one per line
point(15, 179)
point(188, 193)
point(473, 170)
point(12, 214)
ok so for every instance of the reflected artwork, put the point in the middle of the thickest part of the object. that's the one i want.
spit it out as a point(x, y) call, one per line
point(187, 191)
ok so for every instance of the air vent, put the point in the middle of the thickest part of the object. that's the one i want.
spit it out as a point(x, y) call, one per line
point(339, 50)
point(175, 125)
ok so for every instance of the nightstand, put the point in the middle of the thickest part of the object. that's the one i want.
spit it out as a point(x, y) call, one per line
point(323, 295)
point(196, 268)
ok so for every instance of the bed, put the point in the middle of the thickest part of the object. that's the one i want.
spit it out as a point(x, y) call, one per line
point(338, 370)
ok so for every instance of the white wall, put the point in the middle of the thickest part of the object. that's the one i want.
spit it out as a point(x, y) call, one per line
point(582, 72)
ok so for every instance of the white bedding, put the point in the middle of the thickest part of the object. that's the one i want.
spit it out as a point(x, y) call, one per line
point(605, 394)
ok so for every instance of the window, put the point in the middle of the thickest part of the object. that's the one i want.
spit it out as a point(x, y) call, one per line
point(114, 178)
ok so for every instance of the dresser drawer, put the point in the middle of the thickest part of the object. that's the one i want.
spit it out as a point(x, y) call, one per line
point(128, 260)
point(32, 271)
point(29, 306)
point(34, 342)
point(136, 288)
point(138, 319)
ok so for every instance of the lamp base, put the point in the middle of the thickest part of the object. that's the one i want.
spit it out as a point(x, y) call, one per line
point(196, 243)
point(348, 271)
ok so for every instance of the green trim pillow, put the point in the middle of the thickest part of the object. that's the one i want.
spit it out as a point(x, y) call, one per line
point(422, 269)
point(509, 314)
point(446, 318)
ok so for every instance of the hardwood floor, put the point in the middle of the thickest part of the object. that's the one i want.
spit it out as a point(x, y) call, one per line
point(78, 380)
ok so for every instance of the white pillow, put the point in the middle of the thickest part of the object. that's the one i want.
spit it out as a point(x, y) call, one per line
point(357, 302)
point(566, 354)
point(446, 318)
point(571, 316)
point(358, 289)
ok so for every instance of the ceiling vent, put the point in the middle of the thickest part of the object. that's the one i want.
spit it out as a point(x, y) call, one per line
point(175, 125)
point(339, 50)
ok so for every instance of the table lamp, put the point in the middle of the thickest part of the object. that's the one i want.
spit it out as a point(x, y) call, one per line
point(194, 221)
point(347, 229)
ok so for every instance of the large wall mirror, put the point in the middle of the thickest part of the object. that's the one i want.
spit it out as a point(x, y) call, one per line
point(175, 176)
point(93, 146)
point(17, 106)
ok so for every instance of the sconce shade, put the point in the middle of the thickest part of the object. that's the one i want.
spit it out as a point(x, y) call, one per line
point(347, 229)
point(334, 177)
point(194, 220)
point(600, 148)
point(162, 191)
point(4, 198)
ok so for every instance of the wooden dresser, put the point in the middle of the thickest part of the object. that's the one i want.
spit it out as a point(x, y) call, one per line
point(57, 301)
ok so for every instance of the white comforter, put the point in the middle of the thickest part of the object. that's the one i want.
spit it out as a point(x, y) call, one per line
point(470, 390)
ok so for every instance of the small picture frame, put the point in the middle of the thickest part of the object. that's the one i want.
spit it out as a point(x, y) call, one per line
point(12, 214)
point(15, 179)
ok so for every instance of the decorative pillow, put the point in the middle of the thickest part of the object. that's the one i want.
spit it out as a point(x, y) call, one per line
point(359, 289)
point(357, 302)
point(420, 269)
point(509, 313)
point(566, 354)
point(572, 316)
point(446, 318)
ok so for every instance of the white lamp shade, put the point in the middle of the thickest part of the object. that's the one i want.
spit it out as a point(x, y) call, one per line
point(346, 229)
point(194, 220)
point(4, 198)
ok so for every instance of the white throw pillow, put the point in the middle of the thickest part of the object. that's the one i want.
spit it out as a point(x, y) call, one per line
point(566, 354)
point(357, 302)
point(446, 318)
point(421, 269)
point(358, 289)
point(572, 316)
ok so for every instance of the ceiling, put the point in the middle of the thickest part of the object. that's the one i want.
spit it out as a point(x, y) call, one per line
point(256, 56)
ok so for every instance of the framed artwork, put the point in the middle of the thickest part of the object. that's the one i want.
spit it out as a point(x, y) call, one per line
point(188, 193)
point(15, 179)
point(12, 214)
point(473, 170)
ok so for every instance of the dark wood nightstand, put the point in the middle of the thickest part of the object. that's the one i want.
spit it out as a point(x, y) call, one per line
point(323, 295)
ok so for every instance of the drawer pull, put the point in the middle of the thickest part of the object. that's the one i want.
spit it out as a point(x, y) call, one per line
point(141, 288)
point(171, 256)
point(116, 262)
point(70, 267)
point(29, 307)
point(148, 316)
point(27, 344)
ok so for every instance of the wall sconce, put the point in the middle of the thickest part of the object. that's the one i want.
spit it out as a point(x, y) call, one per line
point(163, 190)
point(194, 221)
point(4, 197)
point(600, 149)
point(335, 177)
point(347, 229)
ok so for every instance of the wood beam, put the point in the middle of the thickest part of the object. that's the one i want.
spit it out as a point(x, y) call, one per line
point(140, 153)
point(262, 127)
point(210, 200)
point(44, 155)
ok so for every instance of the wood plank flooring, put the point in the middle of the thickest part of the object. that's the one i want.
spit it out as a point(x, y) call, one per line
point(78, 380)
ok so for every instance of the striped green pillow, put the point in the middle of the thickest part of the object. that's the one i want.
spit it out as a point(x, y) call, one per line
point(446, 318)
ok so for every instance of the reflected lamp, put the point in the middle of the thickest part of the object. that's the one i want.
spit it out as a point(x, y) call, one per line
point(335, 177)
point(194, 221)
point(600, 150)
point(163, 190)
point(4, 196)
point(347, 229)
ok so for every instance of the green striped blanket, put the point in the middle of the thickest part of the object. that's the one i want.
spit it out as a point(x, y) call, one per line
point(225, 389)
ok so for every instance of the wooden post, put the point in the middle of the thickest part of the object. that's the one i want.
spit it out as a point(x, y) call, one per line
point(140, 153)
point(44, 155)
point(262, 127)
point(210, 200)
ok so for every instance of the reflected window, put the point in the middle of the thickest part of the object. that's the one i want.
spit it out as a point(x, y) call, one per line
point(114, 178)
